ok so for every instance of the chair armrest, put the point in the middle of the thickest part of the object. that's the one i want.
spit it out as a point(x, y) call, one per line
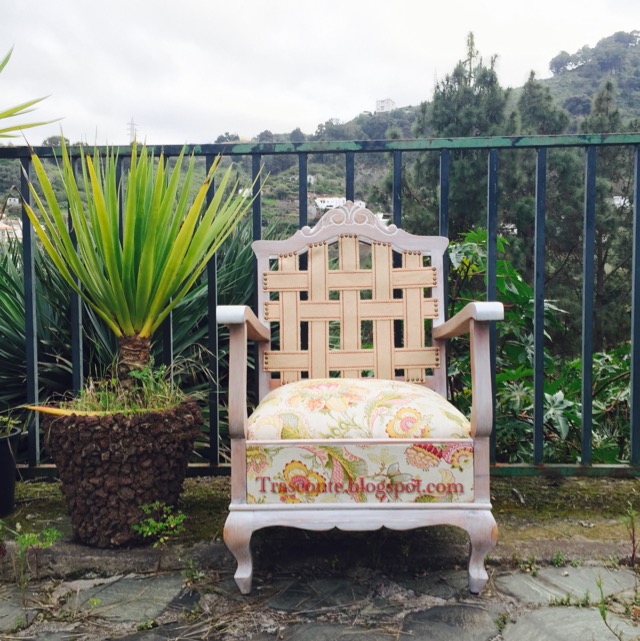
point(460, 323)
point(241, 314)
point(243, 325)
point(473, 319)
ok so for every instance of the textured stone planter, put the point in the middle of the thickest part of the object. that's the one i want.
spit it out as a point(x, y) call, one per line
point(8, 452)
point(111, 465)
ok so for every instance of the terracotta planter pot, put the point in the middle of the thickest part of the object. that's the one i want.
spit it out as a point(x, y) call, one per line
point(8, 452)
point(111, 465)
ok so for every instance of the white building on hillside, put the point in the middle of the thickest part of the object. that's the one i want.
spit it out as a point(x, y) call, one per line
point(329, 202)
point(385, 105)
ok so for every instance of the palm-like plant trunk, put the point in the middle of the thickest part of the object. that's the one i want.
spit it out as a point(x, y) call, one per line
point(134, 353)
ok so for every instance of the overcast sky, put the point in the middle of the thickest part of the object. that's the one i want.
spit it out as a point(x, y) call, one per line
point(189, 70)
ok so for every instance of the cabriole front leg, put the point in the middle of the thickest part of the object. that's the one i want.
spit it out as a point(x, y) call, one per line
point(483, 534)
point(237, 537)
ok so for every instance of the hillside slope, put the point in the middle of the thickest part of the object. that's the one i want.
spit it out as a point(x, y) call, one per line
point(577, 77)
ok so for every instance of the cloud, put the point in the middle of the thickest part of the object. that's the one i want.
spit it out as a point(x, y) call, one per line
point(191, 71)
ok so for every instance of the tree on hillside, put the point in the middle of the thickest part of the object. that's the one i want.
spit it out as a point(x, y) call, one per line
point(564, 233)
point(578, 105)
point(537, 115)
point(9, 177)
point(265, 136)
point(331, 129)
point(538, 112)
point(605, 115)
point(561, 63)
point(468, 102)
point(614, 222)
point(582, 73)
point(297, 136)
point(55, 141)
point(227, 137)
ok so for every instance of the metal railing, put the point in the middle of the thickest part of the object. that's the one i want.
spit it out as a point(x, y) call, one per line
point(444, 148)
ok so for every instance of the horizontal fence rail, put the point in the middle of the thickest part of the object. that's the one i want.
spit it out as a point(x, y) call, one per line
point(398, 150)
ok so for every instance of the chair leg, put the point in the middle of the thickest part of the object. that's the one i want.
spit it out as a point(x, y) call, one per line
point(237, 537)
point(483, 534)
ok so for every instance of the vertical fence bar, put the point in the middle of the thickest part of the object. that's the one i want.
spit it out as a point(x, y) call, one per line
point(257, 202)
point(443, 219)
point(257, 235)
point(75, 301)
point(397, 220)
point(256, 211)
point(443, 205)
point(303, 193)
point(76, 329)
point(350, 166)
point(538, 311)
point(212, 342)
point(166, 328)
point(587, 301)
point(635, 319)
point(120, 198)
point(167, 341)
point(492, 260)
point(397, 188)
point(30, 314)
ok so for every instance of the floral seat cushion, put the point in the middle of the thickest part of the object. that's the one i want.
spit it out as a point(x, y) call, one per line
point(348, 408)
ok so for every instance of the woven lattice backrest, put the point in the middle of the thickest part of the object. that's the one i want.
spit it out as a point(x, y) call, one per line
point(352, 297)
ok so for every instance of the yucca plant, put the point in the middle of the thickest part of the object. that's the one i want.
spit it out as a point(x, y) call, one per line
point(141, 242)
point(133, 269)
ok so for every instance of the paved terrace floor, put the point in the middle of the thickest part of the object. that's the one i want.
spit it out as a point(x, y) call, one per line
point(561, 542)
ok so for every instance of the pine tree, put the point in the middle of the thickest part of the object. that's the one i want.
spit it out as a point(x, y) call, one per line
point(538, 112)
point(468, 102)
point(613, 223)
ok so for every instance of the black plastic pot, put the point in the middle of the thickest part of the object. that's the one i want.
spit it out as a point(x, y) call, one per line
point(8, 453)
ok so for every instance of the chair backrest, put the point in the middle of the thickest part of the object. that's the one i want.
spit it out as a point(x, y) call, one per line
point(352, 297)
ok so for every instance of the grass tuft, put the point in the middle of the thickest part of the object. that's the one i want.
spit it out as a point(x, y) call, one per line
point(152, 389)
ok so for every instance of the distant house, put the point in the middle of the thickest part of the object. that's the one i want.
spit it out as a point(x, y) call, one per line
point(620, 201)
point(509, 229)
point(9, 230)
point(311, 179)
point(13, 202)
point(385, 105)
point(329, 202)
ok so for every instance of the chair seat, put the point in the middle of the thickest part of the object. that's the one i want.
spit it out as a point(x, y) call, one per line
point(348, 408)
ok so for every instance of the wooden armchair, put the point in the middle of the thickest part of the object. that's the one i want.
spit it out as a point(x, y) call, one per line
point(353, 429)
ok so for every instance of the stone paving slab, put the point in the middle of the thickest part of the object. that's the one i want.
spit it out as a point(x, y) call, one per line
point(444, 585)
point(315, 595)
point(326, 632)
point(128, 599)
point(461, 622)
point(368, 605)
point(555, 584)
point(568, 624)
point(12, 612)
